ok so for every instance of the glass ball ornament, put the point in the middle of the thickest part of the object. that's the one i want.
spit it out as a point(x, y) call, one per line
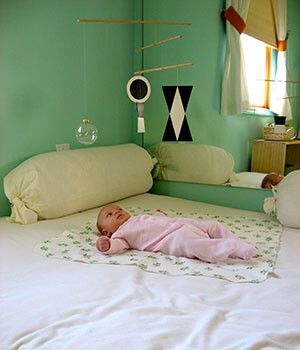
point(86, 133)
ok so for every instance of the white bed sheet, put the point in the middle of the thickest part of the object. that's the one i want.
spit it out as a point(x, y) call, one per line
point(53, 304)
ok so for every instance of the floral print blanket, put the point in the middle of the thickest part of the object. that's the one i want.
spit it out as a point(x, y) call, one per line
point(79, 245)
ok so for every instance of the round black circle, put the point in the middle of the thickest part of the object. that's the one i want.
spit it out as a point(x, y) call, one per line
point(138, 89)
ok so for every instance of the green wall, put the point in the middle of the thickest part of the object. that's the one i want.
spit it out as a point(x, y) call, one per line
point(41, 70)
point(204, 44)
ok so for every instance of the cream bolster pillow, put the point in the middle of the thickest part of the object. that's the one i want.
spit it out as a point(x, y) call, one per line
point(247, 179)
point(193, 162)
point(288, 200)
point(56, 184)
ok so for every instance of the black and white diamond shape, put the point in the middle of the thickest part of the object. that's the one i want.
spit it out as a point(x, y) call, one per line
point(177, 98)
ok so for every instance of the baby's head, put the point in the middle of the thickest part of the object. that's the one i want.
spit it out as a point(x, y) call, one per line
point(271, 180)
point(110, 218)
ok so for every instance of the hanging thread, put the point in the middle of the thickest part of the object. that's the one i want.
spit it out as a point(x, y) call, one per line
point(84, 70)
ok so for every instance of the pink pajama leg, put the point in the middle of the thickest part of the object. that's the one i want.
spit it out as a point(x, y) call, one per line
point(216, 230)
point(211, 250)
point(221, 245)
point(190, 242)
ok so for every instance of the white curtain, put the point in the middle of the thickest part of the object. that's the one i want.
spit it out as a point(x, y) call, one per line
point(235, 98)
point(277, 103)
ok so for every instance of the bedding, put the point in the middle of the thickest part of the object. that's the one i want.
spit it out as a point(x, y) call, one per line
point(189, 162)
point(51, 304)
point(288, 200)
point(246, 179)
point(285, 202)
point(55, 184)
point(79, 245)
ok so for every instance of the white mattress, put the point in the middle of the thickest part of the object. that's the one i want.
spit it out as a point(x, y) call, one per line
point(53, 304)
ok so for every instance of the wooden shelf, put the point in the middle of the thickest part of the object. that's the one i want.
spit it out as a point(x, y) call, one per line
point(273, 156)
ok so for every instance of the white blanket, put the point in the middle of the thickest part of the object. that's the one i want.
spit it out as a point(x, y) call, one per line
point(79, 245)
point(51, 304)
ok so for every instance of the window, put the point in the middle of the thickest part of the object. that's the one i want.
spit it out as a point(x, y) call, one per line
point(257, 43)
point(258, 66)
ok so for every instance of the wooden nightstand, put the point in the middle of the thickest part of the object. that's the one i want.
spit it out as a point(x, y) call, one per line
point(268, 156)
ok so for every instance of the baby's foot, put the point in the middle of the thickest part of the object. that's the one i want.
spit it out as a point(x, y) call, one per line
point(244, 251)
point(248, 253)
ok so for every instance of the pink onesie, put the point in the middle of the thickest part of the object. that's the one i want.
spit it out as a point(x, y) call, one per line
point(205, 240)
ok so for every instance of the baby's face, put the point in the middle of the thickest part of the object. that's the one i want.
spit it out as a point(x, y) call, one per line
point(111, 218)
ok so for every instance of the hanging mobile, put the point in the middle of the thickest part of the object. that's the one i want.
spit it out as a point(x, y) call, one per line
point(86, 133)
point(139, 90)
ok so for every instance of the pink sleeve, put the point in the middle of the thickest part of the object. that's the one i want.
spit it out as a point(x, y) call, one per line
point(117, 245)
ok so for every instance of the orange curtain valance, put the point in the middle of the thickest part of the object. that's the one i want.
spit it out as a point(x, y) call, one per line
point(235, 19)
point(281, 45)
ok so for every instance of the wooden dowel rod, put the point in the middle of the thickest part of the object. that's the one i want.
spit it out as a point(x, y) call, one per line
point(134, 21)
point(163, 68)
point(159, 42)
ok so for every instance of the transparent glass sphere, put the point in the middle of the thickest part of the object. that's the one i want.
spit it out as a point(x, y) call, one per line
point(86, 133)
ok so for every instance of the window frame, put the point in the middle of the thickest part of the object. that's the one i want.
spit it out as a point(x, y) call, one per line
point(270, 64)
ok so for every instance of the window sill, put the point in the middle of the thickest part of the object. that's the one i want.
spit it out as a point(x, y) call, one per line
point(260, 112)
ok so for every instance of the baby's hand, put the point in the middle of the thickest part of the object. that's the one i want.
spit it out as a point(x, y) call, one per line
point(103, 243)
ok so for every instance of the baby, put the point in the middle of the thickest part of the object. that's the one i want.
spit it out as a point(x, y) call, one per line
point(204, 240)
point(271, 180)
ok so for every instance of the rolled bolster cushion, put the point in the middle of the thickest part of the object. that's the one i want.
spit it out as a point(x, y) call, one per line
point(21, 214)
point(56, 184)
point(288, 200)
point(192, 163)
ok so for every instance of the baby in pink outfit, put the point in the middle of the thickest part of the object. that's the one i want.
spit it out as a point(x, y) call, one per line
point(204, 240)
